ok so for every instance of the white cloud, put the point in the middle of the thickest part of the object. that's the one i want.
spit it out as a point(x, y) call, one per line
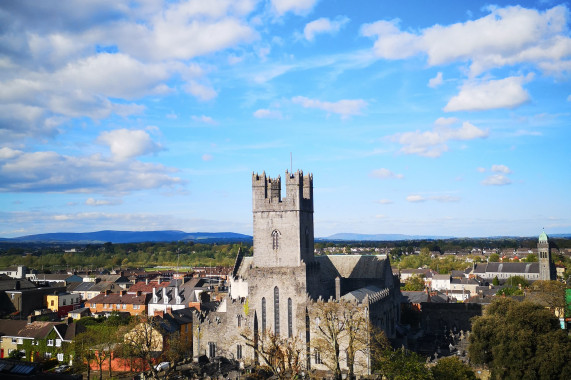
point(204, 119)
point(201, 91)
point(52, 172)
point(481, 169)
point(434, 143)
point(501, 169)
point(496, 180)
point(383, 173)
point(207, 157)
point(267, 114)
point(415, 198)
point(436, 81)
point(298, 7)
point(101, 202)
point(125, 143)
point(507, 36)
point(385, 201)
point(503, 93)
point(569, 98)
point(345, 108)
point(445, 121)
point(445, 198)
point(323, 25)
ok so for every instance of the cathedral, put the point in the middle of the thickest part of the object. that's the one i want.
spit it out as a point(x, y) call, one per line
point(280, 290)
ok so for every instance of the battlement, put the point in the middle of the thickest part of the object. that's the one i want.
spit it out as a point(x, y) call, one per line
point(266, 192)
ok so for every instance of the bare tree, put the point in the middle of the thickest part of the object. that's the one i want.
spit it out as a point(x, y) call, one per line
point(282, 356)
point(145, 341)
point(330, 327)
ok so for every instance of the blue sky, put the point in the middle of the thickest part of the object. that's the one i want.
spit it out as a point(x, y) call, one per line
point(416, 117)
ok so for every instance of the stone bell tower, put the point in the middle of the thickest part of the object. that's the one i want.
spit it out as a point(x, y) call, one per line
point(546, 269)
point(283, 227)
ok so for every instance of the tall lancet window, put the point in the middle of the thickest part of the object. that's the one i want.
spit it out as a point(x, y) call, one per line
point(289, 319)
point(277, 310)
point(264, 315)
point(275, 240)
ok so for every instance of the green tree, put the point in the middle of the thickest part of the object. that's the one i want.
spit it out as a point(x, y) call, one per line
point(520, 340)
point(414, 283)
point(494, 258)
point(401, 364)
point(495, 281)
point(452, 368)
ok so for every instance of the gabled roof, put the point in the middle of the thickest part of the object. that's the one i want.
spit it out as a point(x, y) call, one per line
point(11, 327)
point(352, 266)
point(36, 330)
point(360, 294)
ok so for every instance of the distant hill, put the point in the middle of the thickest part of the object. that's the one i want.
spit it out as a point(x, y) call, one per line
point(381, 237)
point(131, 237)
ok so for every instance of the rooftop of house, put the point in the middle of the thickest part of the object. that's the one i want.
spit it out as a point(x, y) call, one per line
point(118, 298)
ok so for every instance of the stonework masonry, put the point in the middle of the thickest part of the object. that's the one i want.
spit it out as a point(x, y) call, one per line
point(276, 289)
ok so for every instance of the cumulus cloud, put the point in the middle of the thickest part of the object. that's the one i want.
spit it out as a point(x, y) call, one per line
point(52, 172)
point(323, 25)
point(298, 7)
point(263, 113)
point(415, 198)
point(501, 169)
point(496, 180)
point(434, 143)
point(506, 36)
point(436, 81)
point(385, 201)
point(125, 143)
point(503, 93)
point(345, 108)
point(383, 173)
point(86, 59)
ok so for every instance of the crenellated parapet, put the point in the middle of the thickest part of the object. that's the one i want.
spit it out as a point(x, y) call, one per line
point(266, 192)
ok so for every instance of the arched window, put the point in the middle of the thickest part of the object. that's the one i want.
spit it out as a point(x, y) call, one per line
point(289, 319)
point(306, 238)
point(275, 240)
point(277, 310)
point(264, 315)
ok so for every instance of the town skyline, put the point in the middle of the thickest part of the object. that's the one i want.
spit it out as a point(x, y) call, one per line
point(444, 118)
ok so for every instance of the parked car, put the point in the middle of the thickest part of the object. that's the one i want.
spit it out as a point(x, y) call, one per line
point(162, 366)
point(61, 368)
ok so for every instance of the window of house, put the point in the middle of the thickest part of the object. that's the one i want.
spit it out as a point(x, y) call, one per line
point(50, 342)
point(137, 307)
point(20, 341)
point(60, 357)
point(52, 303)
point(124, 306)
point(58, 342)
point(14, 340)
point(212, 349)
point(118, 306)
point(239, 351)
point(64, 303)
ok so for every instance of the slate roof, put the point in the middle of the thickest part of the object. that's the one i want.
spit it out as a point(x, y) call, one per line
point(11, 327)
point(143, 287)
point(9, 283)
point(352, 266)
point(360, 294)
point(36, 330)
point(506, 268)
